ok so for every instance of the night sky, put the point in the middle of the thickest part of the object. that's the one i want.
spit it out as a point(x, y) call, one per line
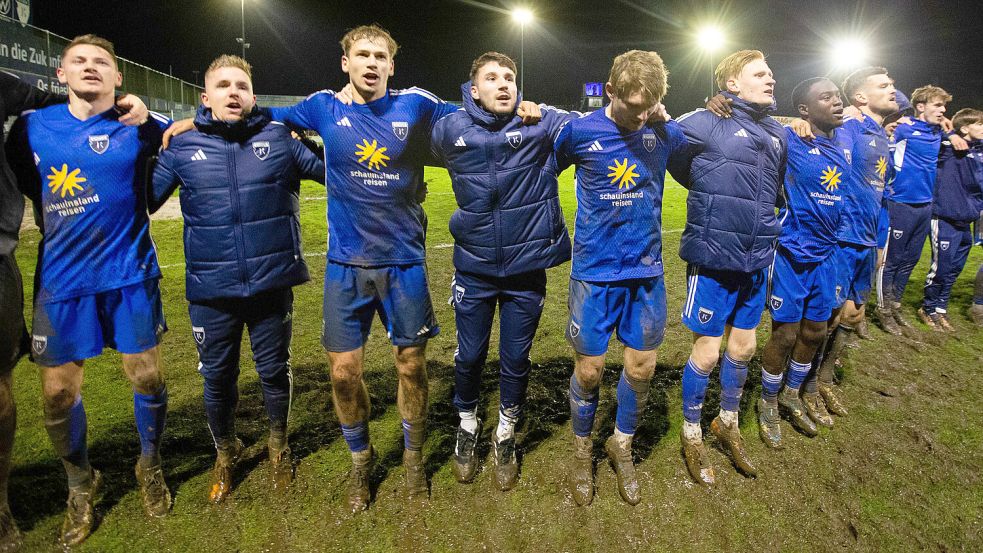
point(295, 42)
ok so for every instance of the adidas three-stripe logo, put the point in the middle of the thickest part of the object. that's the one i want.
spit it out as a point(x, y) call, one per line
point(344, 122)
point(741, 132)
point(199, 156)
point(460, 142)
point(814, 151)
point(595, 147)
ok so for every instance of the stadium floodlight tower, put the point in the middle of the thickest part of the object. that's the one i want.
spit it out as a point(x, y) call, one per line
point(242, 39)
point(522, 16)
point(848, 53)
point(710, 38)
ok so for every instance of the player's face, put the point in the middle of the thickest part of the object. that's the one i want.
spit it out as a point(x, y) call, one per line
point(932, 111)
point(89, 71)
point(880, 94)
point(974, 131)
point(369, 67)
point(494, 88)
point(824, 108)
point(229, 93)
point(755, 84)
point(630, 113)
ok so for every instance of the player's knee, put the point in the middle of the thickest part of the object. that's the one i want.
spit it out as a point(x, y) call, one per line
point(813, 334)
point(589, 370)
point(784, 336)
point(346, 373)
point(469, 359)
point(411, 362)
point(147, 382)
point(742, 350)
point(705, 358)
point(6, 398)
point(58, 397)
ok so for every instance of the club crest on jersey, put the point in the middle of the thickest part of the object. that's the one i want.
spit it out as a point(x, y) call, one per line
point(199, 333)
point(944, 244)
point(704, 315)
point(776, 302)
point(39, 344)
point(401, 129)
point(514, 138)
point(648, 140)
point(261, 149)
point(848, 155)
point(458, 293)
point(897, 234)
point(574, 329)
point(99, 143)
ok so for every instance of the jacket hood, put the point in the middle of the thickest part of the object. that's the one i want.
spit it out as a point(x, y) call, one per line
point(482, 116)
point(236, 131)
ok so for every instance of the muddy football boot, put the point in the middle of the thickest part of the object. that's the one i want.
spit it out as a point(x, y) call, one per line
point(415, 478)
point(153, 489)
point(945, 322)
point(580, 478)
point(768, 428)
point(281, 468)
point(729, 438)
point(506, 464)
point(80, 515)
point(863, 330)
point(816, 409)
point(886, 319)
point(790, 406)
point(10, 537)
point(624, 469)
point(931, 320)
point(834, 403)
point(225, 461)
point(358, 481)
point(976, 314)
point(465, 463)
point(899, 316)
point(697, 461)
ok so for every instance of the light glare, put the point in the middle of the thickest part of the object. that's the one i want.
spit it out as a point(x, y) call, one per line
point(848, 53)
point(522, 16)
point(710, 38)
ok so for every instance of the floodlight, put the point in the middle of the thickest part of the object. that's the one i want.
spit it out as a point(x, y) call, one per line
point(847, 53)
point(710, 38)
point(522, 16)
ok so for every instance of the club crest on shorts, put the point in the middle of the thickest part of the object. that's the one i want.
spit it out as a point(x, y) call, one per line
point(704, 315)
point(401, 129)
point(776, 302)
point(99, 143)
point(199, 333)
point(458, 293)
point(944, 245)
point(648, 140)
point(261, 149)
point(574, 329)
point(514, 138)
point(39, 344)
point(897, 234)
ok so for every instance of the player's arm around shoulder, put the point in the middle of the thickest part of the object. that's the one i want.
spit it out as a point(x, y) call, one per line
point(308, 165)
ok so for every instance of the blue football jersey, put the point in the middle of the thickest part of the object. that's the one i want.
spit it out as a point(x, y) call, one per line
point(810, 218)
point(870, 157)
point(89, 187)
point(374, 154)
point(916, 157)
point(620, 179)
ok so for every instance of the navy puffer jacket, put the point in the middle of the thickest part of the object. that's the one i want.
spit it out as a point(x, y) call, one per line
point(734, 170)
point(240, 200)
point(508, 219)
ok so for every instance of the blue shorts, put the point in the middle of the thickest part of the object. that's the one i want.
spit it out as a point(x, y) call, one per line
point(854, 272)
point(715, 299)
point(801, 290)
point(883, 224)
point(128, 319)
point(398, 293)
point(637, 308)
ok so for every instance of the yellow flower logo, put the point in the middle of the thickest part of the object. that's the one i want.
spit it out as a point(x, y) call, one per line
point(882, 167)
point(372, 153)
point(831, 178)
point(623, 174)
point(62, 182)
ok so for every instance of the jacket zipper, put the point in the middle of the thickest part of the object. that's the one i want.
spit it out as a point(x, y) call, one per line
point(496, 212)
point(236, 218)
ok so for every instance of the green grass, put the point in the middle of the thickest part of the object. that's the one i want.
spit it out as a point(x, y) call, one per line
point(901, 472)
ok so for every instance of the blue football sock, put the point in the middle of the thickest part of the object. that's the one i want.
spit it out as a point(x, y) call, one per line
point(583, 407)
point(733, 375)
point(632, 395)
point(797, 373)
point(150, 412)
point(68, 436)
point(694, 390)
point(770, 385)
point(356, 436)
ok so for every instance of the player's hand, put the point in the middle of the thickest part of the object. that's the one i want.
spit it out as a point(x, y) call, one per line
point(958, 143)
point(346, 95)
point(802, 129)
point(134, 111)
point(946, 124)
point(177, 128)
point(529, 112)
point(660, 114)
point(851, 112)
point(422, 191)
point(719, 105)
point(905, 121)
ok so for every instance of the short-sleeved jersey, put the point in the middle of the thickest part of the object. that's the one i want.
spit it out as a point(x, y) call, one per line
point(620, 179)
point(374, 154)
point(89, 186)
point(816, 173)
point(916, 157)
point(871, 160)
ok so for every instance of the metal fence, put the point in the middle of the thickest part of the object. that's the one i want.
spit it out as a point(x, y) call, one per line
point(34, 54)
